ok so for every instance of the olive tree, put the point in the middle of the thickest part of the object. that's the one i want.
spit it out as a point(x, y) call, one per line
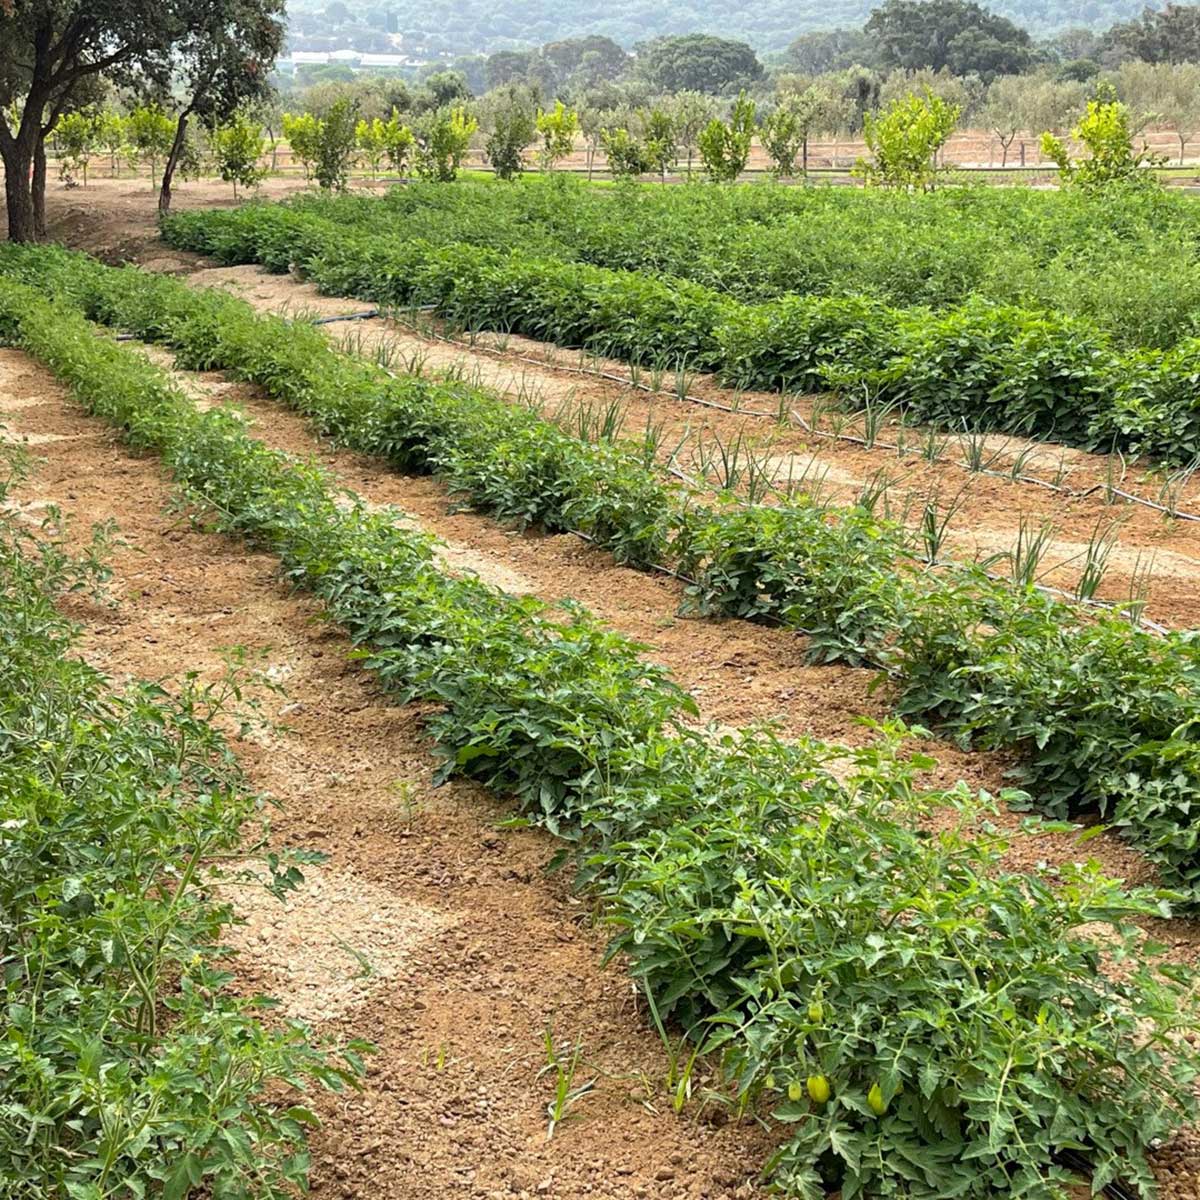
point(1167, 92)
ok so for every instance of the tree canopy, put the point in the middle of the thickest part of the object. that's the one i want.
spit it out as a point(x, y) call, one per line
point(697, 62)
point(1169, 36)
point(958, 34)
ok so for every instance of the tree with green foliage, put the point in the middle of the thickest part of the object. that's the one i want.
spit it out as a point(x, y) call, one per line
point(662, 148)
point(52, 53)
point(369, 141)
point(511, 128)
point(237, 148)
point(785, 131)
point(558, 128)
point(593, 122)
point(447, 88)
point(697, 62)
point(1107, 134)
point(335, 145)
point(398, 143)
point(222, 65)
point(904, 142)
point(725, 145)
point(626, 155)
point(1167, 35)
point(860, 89)
point(303, 134)
point(1167, 92)
point(443, 138)
point(690, 112)
point(958, 34)
point(151, 134)
point(111, 137)
point(75, 141)
point(826, 50)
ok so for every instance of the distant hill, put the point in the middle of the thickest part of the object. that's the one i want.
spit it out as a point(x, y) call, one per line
point(484, 26)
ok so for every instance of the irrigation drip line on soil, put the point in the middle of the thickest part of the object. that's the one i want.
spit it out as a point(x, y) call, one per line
point(853, 439)
point(1083, 601)
point(1048, 589)
point(358, 316)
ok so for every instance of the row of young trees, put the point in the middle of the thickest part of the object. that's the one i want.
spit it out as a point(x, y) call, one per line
point(145, 137)
point(904, 136)
point(830, 105)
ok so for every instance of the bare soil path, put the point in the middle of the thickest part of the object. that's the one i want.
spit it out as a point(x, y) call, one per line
point(427, 930)
point(1154, 553)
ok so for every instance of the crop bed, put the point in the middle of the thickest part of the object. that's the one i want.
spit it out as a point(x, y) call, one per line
point(128, 1065)
point(827, 941)
point(1103, 713)
point(978, 362)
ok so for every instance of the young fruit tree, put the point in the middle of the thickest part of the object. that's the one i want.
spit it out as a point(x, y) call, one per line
point(511, 127)
point(662, 149)
point(904, 142)
point(302, 131)
point(369, 138)
point(398, 143)
point(443, 138)
point(238, 148)
point(335, 145)
point(151, 134)
point(785, 132)
point(75, 140)
point(725, 146)
point(627, 157)
point(558, 128)
point(1106, 131)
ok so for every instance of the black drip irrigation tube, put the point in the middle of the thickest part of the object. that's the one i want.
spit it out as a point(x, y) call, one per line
point(1116, 1190)
point(358, 316)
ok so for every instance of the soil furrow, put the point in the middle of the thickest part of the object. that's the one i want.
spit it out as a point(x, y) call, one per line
point(427, 929)
point(1161, 552)
point(740, 673)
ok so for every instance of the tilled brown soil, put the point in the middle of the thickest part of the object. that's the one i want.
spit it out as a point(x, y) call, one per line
point(1153, 550)
point(428, 930)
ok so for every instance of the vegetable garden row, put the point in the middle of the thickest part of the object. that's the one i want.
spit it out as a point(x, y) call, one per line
point(925, 1023)
point(127, 1065)
point(981, 364)
point(1126, 261)
point(1105, 715)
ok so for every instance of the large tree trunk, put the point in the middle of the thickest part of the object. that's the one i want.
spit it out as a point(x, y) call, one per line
point(38, 188)
point(18, 189)
point(168, 175)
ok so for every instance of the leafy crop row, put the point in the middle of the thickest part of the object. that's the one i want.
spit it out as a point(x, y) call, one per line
point(1128, 262)
point(983, 364)
point(127, 1065)
point(927, 1024)
point(1105, 716)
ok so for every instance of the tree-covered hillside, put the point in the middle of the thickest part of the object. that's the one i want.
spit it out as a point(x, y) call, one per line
point(483, 26)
